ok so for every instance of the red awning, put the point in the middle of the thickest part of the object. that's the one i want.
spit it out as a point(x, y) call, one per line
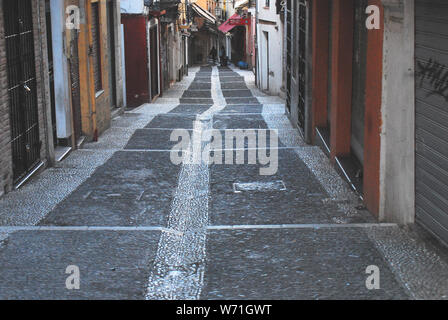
point(226, 26)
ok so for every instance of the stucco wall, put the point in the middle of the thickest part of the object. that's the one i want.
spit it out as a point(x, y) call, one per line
point(397, 170)
point(269, 21)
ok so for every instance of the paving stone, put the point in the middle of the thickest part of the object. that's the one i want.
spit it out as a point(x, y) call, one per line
point(139, 193)
point(239, 122)
point(113, 265)
point(295, 265)
point(197, 94)
point(238, 134)
point(242, 108)
point(121, 196)
point(200, 86)
point(151, 139)
point(237, 93)
point(192, 108)
point(196, 101)
point(246, 101)
point(206, 69)
point(233, 85)
point(230, 79)
point(202, 80)
point(304, 201)
point(172, 121)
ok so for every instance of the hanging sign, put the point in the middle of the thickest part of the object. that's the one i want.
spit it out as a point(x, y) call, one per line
point(239, 22)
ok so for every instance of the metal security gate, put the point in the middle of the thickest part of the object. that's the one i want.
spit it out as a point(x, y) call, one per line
point(302, 53)
point(431, 64)
point(21, 68)
point(288, 53)
point(75, 85)
point(297, 61)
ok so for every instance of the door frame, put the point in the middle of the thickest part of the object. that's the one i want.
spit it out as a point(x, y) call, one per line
point(151, 24)
point(265, 62)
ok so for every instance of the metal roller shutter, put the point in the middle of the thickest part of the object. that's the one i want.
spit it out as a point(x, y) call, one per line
point(432, 115)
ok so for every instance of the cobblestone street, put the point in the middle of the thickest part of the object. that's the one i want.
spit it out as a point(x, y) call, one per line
point(139, 226)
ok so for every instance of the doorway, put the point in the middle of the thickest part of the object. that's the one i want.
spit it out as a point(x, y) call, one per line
point(51, 71)
point(112, 59)
point(265, 63)
point(154, 61)
point(75, 85)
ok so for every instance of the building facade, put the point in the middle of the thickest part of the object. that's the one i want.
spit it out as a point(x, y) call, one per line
point(375, 99)
point(61, 75)
point(85, 68)
point(142, 53)
point(173, 42)
point(155, 44)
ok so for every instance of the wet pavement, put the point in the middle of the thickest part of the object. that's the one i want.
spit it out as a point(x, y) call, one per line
point(141, 226)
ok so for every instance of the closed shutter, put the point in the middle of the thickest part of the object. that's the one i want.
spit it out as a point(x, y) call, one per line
point(96, 47)
point(432, 115)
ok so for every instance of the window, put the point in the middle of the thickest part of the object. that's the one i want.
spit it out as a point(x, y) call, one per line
point(96, 47)
point(268, 3)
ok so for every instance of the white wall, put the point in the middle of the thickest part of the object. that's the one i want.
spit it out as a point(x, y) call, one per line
point(132, 6)
point(269, 21)
point(397, 166)
point(269, 14)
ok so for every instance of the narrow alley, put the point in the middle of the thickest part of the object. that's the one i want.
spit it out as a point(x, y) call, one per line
point(140, 227)
point(192, 153)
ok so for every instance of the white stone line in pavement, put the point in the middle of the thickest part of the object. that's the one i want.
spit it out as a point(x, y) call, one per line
point(219, 102)
point(303, 226)
point(178, 271)
point(215, 149)
point(11, 229)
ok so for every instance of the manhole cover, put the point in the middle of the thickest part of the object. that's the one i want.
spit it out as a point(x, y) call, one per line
point(259, 186)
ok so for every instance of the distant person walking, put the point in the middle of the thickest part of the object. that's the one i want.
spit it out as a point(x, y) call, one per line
point(213, 54)
point(222, 56)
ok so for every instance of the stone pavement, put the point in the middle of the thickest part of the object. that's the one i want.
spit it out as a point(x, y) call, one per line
point(140, 226)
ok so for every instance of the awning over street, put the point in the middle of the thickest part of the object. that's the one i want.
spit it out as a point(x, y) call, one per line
point(203, 13)
point(226, 26)
point(241, 4)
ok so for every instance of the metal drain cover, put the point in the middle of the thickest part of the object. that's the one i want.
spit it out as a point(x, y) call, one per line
point(278, 185)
